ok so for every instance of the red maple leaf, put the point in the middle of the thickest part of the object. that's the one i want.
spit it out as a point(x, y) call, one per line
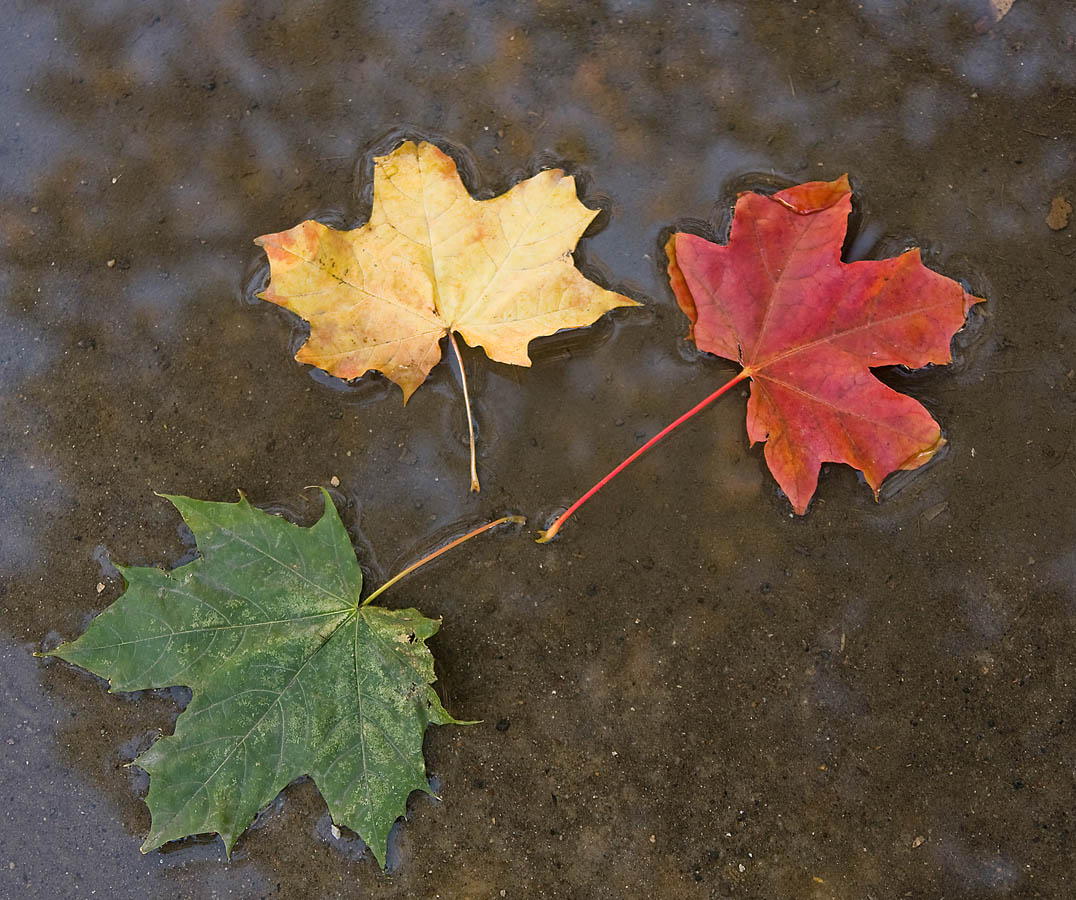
point(807, 329)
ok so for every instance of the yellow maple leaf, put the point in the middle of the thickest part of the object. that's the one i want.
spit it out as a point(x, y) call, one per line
point(433, 261)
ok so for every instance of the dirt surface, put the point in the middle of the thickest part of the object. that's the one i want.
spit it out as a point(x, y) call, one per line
point(691, 693)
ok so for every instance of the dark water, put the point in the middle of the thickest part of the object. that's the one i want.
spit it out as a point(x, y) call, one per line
point(705, 697)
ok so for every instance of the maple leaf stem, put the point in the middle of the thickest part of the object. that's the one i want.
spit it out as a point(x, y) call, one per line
point(515, 520)
point(467, 403)
point(550, 533)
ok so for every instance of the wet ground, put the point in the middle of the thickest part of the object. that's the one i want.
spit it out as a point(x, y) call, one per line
point(691, 693)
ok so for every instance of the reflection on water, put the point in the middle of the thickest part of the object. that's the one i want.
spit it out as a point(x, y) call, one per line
point(60, 836)
point(811, 718)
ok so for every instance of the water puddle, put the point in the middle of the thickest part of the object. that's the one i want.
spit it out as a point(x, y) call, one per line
point(856, 693)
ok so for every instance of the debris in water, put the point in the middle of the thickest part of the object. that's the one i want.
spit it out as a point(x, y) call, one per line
point(1060, 210)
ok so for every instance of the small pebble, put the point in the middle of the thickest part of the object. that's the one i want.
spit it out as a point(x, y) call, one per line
point(111, 264)
point(334, 481)
point(100, 586)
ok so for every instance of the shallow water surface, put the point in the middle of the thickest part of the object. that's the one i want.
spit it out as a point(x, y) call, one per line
point(697, 694)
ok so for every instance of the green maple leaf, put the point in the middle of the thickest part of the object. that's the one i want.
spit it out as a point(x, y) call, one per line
point(291, 675)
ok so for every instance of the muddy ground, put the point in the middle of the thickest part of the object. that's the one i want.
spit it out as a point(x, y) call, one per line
point(692, 693)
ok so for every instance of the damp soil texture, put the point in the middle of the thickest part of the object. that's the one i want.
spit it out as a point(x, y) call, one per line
point(692, 692)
